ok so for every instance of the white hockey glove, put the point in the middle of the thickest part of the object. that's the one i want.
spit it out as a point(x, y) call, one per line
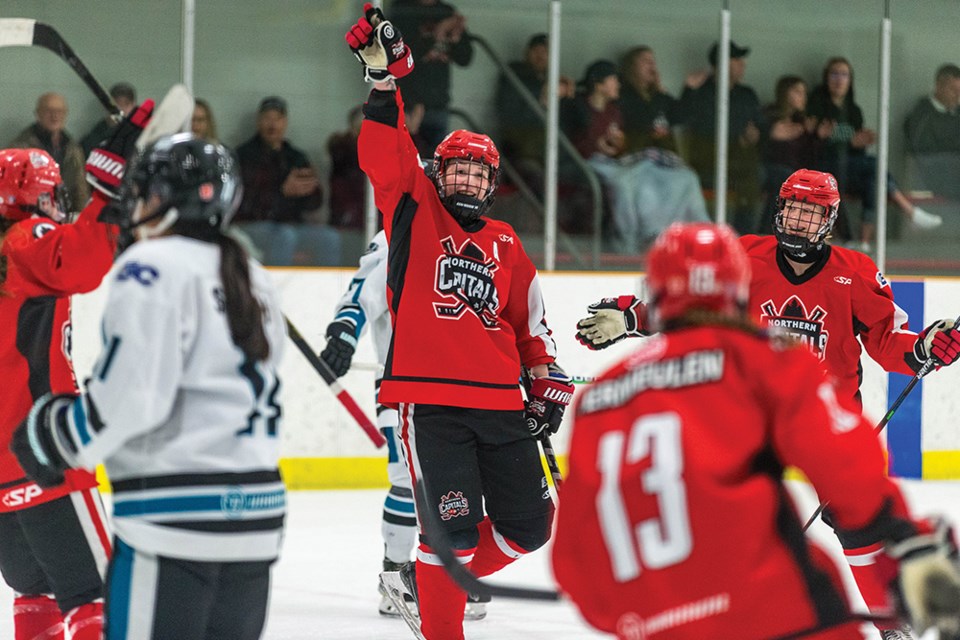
point(611, 320)
point(379, 47)
point(928, 580)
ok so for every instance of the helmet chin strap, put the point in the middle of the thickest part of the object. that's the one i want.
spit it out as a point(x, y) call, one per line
point(142, 232)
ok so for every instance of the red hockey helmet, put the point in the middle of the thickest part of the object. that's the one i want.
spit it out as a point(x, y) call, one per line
point(698, 266)
point(801, 232)
point(474, 147)
point(27, 177)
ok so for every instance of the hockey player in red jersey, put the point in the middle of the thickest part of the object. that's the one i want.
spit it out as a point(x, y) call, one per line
point(467, 315)
point(54, 545)
point(677, 525)
point(824, 296)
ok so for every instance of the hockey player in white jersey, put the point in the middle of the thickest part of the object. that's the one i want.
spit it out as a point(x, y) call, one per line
point(363, 305)
point(182, 408)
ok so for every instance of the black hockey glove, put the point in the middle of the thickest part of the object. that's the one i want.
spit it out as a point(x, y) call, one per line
point(379, 47)
point(341, 343)
point(611, 320)
point(34, 443)
point(941, 341)
point(927, 586)
point(107, 162)
point(548, 399)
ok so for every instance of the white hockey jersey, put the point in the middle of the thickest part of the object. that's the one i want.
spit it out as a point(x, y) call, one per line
point(186, 427)
point(364, 305)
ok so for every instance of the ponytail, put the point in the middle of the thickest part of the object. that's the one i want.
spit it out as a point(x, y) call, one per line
point(244, 312)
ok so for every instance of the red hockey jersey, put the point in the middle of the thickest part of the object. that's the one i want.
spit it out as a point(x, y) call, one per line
point(674, 521)
point(466, 303)
point(838, 299)
point(46, 263)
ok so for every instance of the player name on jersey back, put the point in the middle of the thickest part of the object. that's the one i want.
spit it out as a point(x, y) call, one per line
point(690, 369)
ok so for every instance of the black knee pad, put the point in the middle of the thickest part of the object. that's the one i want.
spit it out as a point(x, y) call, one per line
point(529, 533)
point(464, 538)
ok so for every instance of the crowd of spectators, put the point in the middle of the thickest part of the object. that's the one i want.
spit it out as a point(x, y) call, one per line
point(653, 153)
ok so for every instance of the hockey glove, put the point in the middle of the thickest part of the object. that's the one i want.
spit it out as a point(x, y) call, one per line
point(548, 399)
point(379, 47)
point(106, 163)
point(940, 341)
point(927, 587)
point(34, 443)
point(611, 320)
point(341, 343)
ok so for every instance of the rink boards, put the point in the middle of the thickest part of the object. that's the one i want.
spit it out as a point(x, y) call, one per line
point(323, 448)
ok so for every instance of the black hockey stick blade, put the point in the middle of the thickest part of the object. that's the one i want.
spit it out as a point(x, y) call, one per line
point(466, 579)
point(24, 32)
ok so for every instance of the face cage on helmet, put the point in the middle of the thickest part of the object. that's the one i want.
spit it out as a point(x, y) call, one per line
point(799, 245)
point(464, 207)
point(59, 198)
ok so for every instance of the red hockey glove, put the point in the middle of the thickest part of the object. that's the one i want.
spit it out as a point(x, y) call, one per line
point(940, 341)
point(549, 397)
point(107, 162)
point(611, 320)
point(379, 47)
point(927, 587)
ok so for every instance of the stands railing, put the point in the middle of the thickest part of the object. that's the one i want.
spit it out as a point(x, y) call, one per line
point(592, 181)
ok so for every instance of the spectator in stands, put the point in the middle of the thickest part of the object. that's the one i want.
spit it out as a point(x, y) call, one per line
point(436, 34)
point(648, 110)
point(792, 140)
point(48, 133)
point(933, 135)
point(522, 138)
point(698, 110)
point(347, 180)
point(202, 124)
point(844, 154)
point(282, 195)
point(125, 97)
point(646, 192)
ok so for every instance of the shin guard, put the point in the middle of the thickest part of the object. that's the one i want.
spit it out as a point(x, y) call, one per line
point(441, 601)
point(494, 552)
point(870, 579)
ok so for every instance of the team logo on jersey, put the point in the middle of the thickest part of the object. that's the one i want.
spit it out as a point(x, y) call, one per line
point(453, 505)
point(42, 229)
point(795, 320)
point(465, 274)
point(142, 273)
point(232, 503)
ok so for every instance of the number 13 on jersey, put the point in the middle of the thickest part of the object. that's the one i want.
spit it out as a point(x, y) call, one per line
point(657, 542)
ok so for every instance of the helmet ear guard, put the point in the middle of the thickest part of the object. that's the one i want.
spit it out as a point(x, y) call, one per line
point(472, 147)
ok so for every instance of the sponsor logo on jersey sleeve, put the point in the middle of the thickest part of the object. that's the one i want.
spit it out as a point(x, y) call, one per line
point(795, 320)
point(465, 275)
point(142, 273)
point(881, 280)
point(43, 228)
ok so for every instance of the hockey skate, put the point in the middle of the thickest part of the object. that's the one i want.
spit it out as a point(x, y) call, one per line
point(387, 607)
point(398, 587)
point(476, 608)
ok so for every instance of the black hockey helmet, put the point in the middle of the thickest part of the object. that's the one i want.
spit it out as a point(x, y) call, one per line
point(196, 181)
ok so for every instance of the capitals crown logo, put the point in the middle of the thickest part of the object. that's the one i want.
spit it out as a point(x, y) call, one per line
point(795, 320)
point(465, 276)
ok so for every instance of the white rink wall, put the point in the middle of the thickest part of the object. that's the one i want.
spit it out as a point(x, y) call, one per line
point(316, 427)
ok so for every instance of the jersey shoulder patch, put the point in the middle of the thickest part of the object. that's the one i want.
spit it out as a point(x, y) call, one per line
point(42, 228)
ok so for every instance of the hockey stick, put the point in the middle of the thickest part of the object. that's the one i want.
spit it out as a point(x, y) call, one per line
point(341, 394)
point(24, 32)
point(439, 542)
point(171, 116)
point(925, 368)
point(544, 438)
